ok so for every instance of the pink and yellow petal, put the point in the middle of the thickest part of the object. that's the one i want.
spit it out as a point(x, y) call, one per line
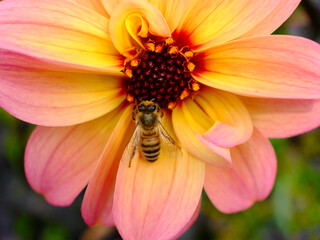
point(73, 36)
point(269, 66)
point(274, 20)
point(124, 38)
point(59, 161)
point(189, 122)
point(250, 178)
point(55, 98)
point(281, 118)
point(209, 23)
point(149, 200)
point(233, 125)
point(98, 199)
point(210, 124)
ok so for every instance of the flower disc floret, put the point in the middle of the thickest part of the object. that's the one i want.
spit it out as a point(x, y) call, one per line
point(162, 72)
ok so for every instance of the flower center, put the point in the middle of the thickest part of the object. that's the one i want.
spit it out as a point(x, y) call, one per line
point(161, 73)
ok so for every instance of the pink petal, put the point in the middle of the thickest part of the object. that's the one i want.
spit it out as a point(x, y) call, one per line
point(281, 118)
point(59, 161)
point(54, 98)
point(208, 23)
point(61, 32)
point(274, 20)
point(250, 178)
point(269, 66)
point(156, 200)
point(190, 223)
point(98, 198)
point(95, 5)
point(233, 124)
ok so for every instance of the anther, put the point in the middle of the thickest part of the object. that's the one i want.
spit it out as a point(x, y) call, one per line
point(194, 85)
point(159, 48)
point(135, 62)
point(128, 72)
point(168, 41)
point(173, 51)
point(189, 66)
point(185, 93)
point(188, 55)
point(172, 105)
point(150, 45)
point(130, 97)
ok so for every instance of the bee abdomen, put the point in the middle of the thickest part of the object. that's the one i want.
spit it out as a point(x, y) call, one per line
point(151, 149)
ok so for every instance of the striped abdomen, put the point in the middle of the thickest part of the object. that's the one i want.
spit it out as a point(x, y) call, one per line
point(150, 144)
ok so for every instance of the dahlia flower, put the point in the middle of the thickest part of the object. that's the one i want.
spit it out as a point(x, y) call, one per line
point(77, 68)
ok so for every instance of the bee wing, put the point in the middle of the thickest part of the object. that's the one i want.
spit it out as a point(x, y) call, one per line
point(132, 148)
point(168, 144)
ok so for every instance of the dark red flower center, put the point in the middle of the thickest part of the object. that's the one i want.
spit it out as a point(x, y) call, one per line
point(161, 73)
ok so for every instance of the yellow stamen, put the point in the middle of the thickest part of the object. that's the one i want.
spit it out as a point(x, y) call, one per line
point(128, 72)
point(168, 41)
point(150, 45)
point(185, 93)
point(189, 66)
point(188, 55)
point(130, 97)
point(194, 85)
point(159, 48)
point(172, 105)
point(173, 50)
point(135, 62)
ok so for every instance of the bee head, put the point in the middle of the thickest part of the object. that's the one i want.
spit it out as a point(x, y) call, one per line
point(147, 107)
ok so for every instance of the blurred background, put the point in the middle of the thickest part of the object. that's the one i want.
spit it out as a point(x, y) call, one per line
point(292, 211)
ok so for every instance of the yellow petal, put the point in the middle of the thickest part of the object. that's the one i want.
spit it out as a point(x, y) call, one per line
point(137, 27)
point(109, 5)
point(172, 10)
point(123, 39)
point(208, 23)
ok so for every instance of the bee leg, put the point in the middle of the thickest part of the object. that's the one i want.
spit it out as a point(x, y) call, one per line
point(132, 155)
point(134, 112)
point(134, 150)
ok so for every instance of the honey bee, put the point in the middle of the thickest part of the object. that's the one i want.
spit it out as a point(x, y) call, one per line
point(149, 138)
